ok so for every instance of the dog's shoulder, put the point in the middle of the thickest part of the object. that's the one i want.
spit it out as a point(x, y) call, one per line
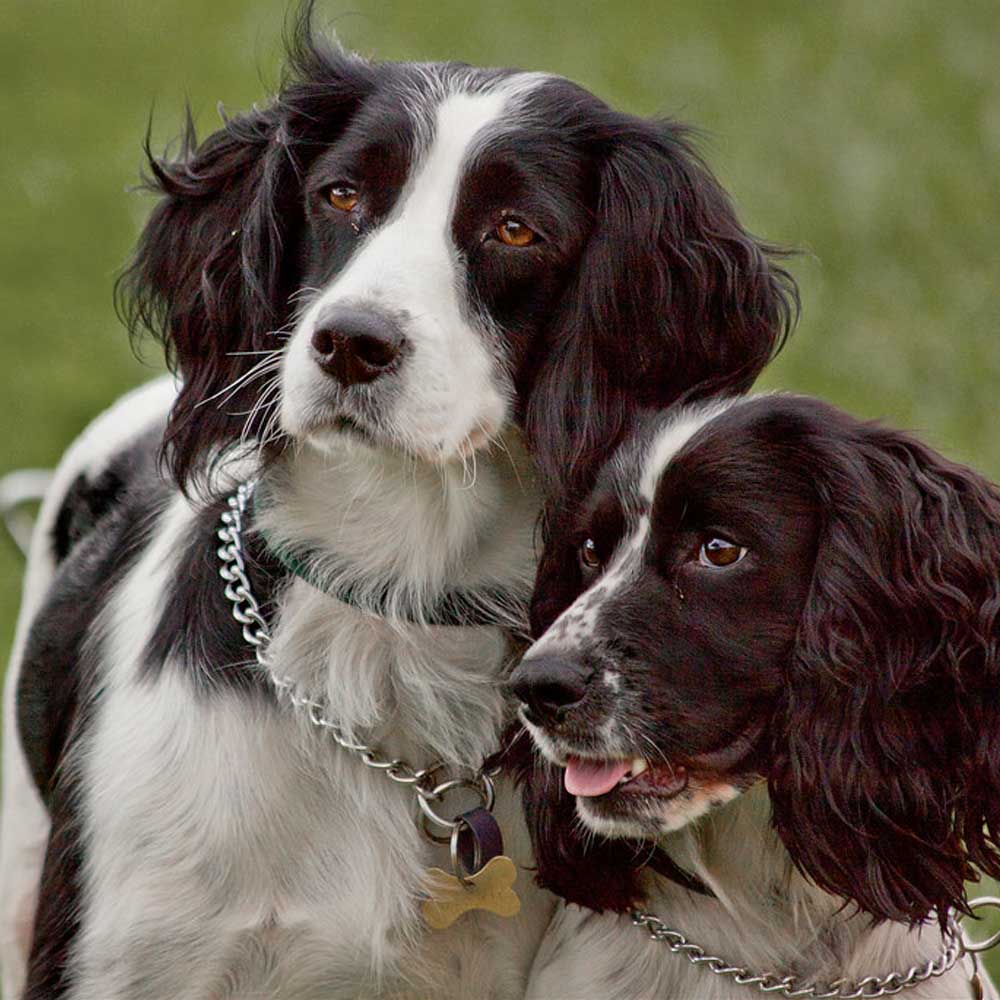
point(55, 671)
point(101, 522)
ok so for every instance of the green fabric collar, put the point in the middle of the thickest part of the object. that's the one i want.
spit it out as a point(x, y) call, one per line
point(459, 607)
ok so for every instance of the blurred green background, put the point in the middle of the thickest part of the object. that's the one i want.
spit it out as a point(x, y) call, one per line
point(866, 133)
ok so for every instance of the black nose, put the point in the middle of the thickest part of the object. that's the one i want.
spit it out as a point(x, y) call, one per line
point(550, 686)
point(356, 345)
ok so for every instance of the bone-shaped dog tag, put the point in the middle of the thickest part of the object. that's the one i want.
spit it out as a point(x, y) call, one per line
point(490, 889)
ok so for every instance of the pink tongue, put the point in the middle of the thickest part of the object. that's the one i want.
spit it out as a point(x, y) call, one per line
point(591, 777)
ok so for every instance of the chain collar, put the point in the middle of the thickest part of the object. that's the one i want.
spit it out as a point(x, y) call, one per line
point(956, 946)
point(431, 784)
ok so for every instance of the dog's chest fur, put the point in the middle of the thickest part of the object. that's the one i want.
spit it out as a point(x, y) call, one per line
point(233, 850)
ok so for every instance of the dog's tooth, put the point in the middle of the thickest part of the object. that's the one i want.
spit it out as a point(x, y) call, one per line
point(638, 766)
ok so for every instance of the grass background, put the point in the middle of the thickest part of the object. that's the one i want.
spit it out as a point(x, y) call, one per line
point(867, 134)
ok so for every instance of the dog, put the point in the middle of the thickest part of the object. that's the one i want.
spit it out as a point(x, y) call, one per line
point(780, 674)
point(411, 307)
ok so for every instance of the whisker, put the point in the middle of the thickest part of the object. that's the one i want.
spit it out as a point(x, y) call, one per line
point(499, 442)
point(271, 429)
point(302, 292)
point(650, 743)
point(519, 735)
point(468, 484)
point(263, 367)
point(266, 398)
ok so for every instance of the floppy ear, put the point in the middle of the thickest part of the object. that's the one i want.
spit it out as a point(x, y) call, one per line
point(214, 269)
point(673, 298)
point(885, 780)
point(581, 868)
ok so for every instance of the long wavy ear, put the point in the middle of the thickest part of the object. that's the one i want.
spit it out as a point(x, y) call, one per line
point(584, 869)
point(215, 266)
point(886, 770)
point(673, 298)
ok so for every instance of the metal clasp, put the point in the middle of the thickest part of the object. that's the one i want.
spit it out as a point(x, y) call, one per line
point(481, 784)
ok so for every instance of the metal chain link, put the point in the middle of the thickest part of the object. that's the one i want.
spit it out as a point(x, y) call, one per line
point(790, 986)
point(429, 789)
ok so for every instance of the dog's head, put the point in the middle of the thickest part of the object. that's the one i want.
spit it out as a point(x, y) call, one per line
point(416, 255)
point(777, 591)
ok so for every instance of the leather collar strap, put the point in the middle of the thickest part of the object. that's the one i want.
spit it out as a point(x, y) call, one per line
point(463, 608)
point(664, 865)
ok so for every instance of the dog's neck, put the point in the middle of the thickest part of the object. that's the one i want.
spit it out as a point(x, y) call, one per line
point(384, 516)
point(377, 519)
point(766, 915)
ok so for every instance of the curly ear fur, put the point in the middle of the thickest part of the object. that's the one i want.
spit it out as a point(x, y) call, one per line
point(886, 750)
point(210, 277)
point(674, 299)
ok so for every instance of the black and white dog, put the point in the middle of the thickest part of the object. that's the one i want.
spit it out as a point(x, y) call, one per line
point(781, 675)
point(416, 304)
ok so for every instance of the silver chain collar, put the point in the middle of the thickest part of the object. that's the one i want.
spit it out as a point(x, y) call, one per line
point(956, 947)
point(431, 785)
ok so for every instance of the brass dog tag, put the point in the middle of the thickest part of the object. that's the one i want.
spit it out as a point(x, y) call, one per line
point(490, 889)
point(976, 986)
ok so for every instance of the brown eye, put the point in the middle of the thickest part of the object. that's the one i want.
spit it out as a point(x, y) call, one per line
point(515, 234)
point(720, 552)
point(343, 197)
point(590, 558)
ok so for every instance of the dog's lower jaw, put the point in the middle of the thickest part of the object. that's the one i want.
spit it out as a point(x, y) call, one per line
point(765, 916)
point(652, 817)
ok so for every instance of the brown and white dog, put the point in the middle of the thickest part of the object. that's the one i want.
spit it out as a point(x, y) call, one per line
point(781, 673)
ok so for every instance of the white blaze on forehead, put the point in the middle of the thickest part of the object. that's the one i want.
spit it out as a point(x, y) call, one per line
point(419, 226)
point(453, 388)
point(671, 439)
point(458, 121)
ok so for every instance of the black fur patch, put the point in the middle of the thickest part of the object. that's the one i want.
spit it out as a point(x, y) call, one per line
point(88, 500)
point(85, 504)
point(197, 629)
point(58, 917)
